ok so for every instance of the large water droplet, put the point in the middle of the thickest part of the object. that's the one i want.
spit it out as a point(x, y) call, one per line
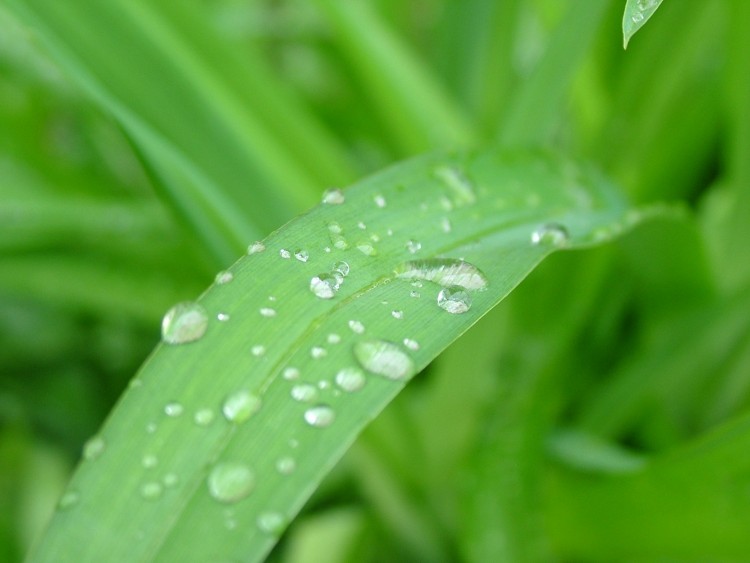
point(350, 379)
point(324, 286)
point(552, 234)
point(241, 405)
point(462, 189)
point(334, 196)
point(93, 448)
point(185, 322)
point(454, 299)
point(385, 359)
point(320, 416)
point(304, 393)
point(230, 482)
point(271, 523)
point(444, 271)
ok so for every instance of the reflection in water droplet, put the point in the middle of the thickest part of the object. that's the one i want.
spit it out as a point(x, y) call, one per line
point(553, 234)
point(304, 393)
point(240, 405)
point(334, 196)
point(256, 247)
point(302, 255)
point(93, 448)
point(185, 322)
point(271, 523)
point(267, 312)
point(286, 465)
point(230, 482)
point(173, 409)
point(291, 373)
point(324, 286)
point(384, 358)
point(224, 277)
point(444, 271)
point(68, 500)
point(350, 379)
point(204, 417)
point(320, 416)
point(356, 327)
point(413, 246)
point(454, 299)
point(151, 490)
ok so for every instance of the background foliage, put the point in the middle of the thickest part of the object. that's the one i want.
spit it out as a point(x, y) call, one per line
point(605, 412)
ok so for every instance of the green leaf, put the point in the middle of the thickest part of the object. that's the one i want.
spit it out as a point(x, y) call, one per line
point(637, 13)
point(207, 423)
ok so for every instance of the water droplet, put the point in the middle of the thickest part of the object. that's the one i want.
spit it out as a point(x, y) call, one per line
point(240, 405)
point(444, 271)
point(333, 338)
point(320, 416)
point(385, 359)
point(380, 201)
point(334, 196)
point(256, 247)
point(411, 344)
point(271, 523)
point(374, 237)
point(291, 373)
point(637, 17)
point(361, 226)
point(149, 461)
point(151, 427)
point(185, 322)
point(397, 314)
point(454, 299)
point(324, 286)
point(413, 246)
point(173, 409)
point(350, 379)
point(302, 255)
point(356, 327)
point(151, 490)
point(553, 234)
point(414, 294)
point(170, 480)
point(68, 500)
point(204, 417)
point(317, 352)
point(304, 393)
point(223, 317)
point(341, 267)
point(267, 312)
point(445, 225)
point(366, 248)
point(224, 277)
point(230, 482)
point(456, 181)
point(285, 254)
point(271, 298)
point(323, 384)
point(258, 350)
point(93, 448)
point(286, 465)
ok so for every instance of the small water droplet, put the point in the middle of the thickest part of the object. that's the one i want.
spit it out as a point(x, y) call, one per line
point(320, 416)
point(149, 461)
point(553, 234)
point(304, 393)
point(204, 417)
point(456, 181)
point(317, 352)
point(454, 299)
point(341, 267)
point(414, 294)
point(170, 480)
point(411, 344)
point(444, 271)
point(413, 246)
point(271, 523)
point(286, 465)
point(361, 226)
point(333, 338)
point(185, 322)
point(302, 255)
point(366, 248)
point(397, 314)
point(68, 500)
point(350, 379)
point(93, 448)
point(256, 247)
point(333, 196)
point(224, 277)
point(230, 482)
point(323, 384)
point(445, 225)
point(380, 201)
point(223, 317)
point(173, 409)
point(285, 254)
point(385, 359)
point(151, 490)
point(374, 237)
point(240, 405)
point(637, 17)
point(267, 312)
point(291, 373)
point(356, 327)
point(258, 350)
point(324, 286)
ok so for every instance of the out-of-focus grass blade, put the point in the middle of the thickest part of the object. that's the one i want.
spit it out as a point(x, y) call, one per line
point(218, 442)
point(637, 13)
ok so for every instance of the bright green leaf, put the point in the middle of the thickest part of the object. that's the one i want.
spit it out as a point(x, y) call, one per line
point(637, 13)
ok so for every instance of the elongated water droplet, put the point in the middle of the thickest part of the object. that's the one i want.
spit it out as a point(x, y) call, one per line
point(267, 312)
point(185, 322)
point(356, 327)
point(241, 405)
point(230, 482)
point(341, 267)
point(173, 409)
point(333, 196)
point(385, 359)
point(151, 490)
point(224, 277)
point(324, 286)
point(304, 393)
point(461, 188)
point(256, 247)
point(320, 416)
point(444, 271)
point(302, 255)
point(204, 417)
point(350, 379)
point(552, 234)
point(271, 523)
point(454, 299)
point(93, 448)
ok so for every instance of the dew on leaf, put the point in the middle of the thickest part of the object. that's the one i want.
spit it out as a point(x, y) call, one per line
point(256, 247)
point(552, 234)
point(317, 352)
point(258, 350)
point(240, 405)
point(366, 248)
point(204, 417)
point(454, 299)
point(397, 314)
point(230, 482)
point(149, 461)
point(341, 267)
point(151, 490)
point(170, 480)
point(223, 317)
point(413, 246)
point(271, 523)
point(93, 448)
point(444, 271)
point(185, 322)
point(384, 358)
point(291, 373)
point(304, 393)
point(380, 201)
point(285, 254)
point(333, 196)
point(350, 379)
point(411, 344)
point(320, 416)
point(333, 338)
point(459, 185)
point(267, 312)
point(302, 255)
point(286, 465)
point(324, 286)
point(173, 409)
point(68, 500)
point(224, 277)
point(356, 327)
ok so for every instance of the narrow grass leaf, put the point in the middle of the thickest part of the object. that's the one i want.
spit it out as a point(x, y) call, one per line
point(637, 13)
point(219, 441)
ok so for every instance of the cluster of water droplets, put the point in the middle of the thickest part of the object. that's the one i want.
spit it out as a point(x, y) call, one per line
point(644, 10)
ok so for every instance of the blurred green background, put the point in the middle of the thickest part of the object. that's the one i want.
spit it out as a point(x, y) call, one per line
point(600, 414)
